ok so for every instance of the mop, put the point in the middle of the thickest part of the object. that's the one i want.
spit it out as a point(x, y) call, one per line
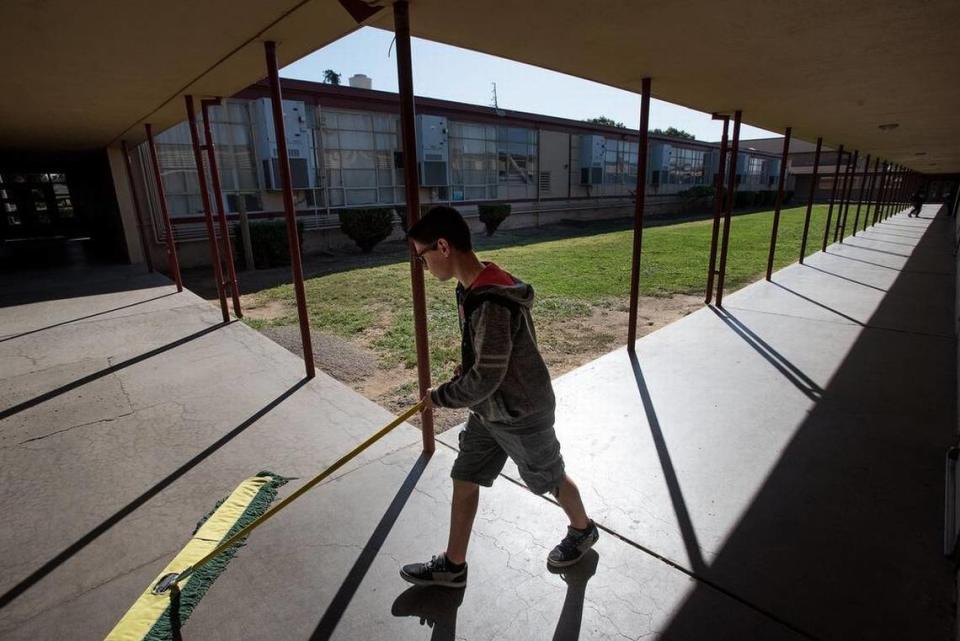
point(166, 604)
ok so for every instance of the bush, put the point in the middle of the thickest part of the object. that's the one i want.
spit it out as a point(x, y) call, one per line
point(268, 239)
point(787, 196)
point(697, 198)
point(367, 227)
point(492, 215)
point(742, 199)
point(401, 211)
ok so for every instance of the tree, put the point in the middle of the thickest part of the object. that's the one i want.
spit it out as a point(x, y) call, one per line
point(673, 132)
point(603, 120)
point(331, 77)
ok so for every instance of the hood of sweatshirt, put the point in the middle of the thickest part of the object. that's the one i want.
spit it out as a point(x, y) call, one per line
point(494, 281)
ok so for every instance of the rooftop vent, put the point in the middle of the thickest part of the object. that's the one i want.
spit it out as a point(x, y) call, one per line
point(360, 81)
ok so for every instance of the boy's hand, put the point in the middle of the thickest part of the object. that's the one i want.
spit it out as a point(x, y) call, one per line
point(427, 400)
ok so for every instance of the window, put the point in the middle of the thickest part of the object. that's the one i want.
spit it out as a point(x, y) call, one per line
point(230, 127)
point(474, 163)
point(358, 158)
point(686, 167)
point(516, 162)
point(755, 168)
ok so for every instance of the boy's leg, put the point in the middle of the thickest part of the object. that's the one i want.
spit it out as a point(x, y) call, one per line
point(463, 509)
point(568, 496)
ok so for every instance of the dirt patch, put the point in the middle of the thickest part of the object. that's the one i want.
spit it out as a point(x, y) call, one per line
point(338, 357)
point(268, 311)
point(565, 345)
point(569, 344)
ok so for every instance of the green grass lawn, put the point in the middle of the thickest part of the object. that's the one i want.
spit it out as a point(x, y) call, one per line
point(572, 276)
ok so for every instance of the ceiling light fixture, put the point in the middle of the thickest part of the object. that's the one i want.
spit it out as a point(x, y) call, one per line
point(890, 126)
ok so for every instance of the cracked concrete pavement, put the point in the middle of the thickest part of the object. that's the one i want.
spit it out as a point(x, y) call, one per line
point(735, 504)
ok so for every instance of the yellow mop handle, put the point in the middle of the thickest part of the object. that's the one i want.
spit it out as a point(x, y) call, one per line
point(302, 490)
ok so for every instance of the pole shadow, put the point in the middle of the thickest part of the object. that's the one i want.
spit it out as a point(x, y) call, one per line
point(88, 538)
point(879, 251)
point(63, 389)
point(341, 600)
point(82, 318)
point(882, 266)
point(888, 242)
point(684, 522)
point(843, 539)
point(790, 371)
point(849, 280)
point(819, 304)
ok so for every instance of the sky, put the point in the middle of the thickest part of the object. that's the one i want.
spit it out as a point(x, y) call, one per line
point(461, 75)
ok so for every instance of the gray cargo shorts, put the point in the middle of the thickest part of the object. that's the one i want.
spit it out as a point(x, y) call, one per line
point(484, 449)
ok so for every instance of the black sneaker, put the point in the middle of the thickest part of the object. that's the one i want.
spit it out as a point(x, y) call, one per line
point(572, 547)
point(437, 571)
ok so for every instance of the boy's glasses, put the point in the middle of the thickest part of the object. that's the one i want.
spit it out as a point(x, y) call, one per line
point(420, 254)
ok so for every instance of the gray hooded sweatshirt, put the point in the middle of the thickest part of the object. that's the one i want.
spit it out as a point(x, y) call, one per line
point(504, 379)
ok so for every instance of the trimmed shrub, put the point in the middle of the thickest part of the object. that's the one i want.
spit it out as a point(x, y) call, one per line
point(742, 199)
point(696, 198)
point(367, 227)
point(492, 215)
point(268, 239)
point(787, 196)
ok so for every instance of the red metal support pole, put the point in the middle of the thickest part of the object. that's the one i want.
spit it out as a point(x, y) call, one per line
point(172, 263)
point(878, 204)
point(411, 182)
point(293, 238)
point(870, 192)
point(718, 202)
point(225, 245)
point(205, 199)
point(833, 196)
point(731, 191)
point(813, 191)
point(863, 190)
point(639, 203)
point(904, 172)
point(141, 231)
point(844, 185)
point(889, 191)
point(846, 207)
point(894, 187)
point(903, 188)
point(776, 208)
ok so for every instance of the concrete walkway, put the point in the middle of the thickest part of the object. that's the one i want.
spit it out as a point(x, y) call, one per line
point(769, 471)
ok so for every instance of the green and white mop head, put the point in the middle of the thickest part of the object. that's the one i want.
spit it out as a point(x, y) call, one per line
point(156, 617)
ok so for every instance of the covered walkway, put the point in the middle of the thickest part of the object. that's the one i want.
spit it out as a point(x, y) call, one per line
point(772, 470)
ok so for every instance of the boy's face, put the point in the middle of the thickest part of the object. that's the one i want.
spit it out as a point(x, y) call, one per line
point(436, 257)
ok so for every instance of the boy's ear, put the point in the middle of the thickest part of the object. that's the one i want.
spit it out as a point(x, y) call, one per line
point(443, 246)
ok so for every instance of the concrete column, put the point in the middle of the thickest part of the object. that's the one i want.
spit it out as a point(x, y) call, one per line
point(128, 215)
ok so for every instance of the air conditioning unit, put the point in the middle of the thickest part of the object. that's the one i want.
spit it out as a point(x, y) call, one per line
point(593, 153)
point(658, 165)
point(432, 151)
point(303, 169)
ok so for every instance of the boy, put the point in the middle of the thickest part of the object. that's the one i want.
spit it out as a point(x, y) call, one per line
point(505, 383)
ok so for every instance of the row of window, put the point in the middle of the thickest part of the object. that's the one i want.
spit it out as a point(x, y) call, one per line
point(358, 161)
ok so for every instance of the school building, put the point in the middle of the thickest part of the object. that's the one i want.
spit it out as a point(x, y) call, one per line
point(345, 153)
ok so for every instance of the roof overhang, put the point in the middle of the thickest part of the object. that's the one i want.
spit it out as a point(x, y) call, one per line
point(84, 75)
